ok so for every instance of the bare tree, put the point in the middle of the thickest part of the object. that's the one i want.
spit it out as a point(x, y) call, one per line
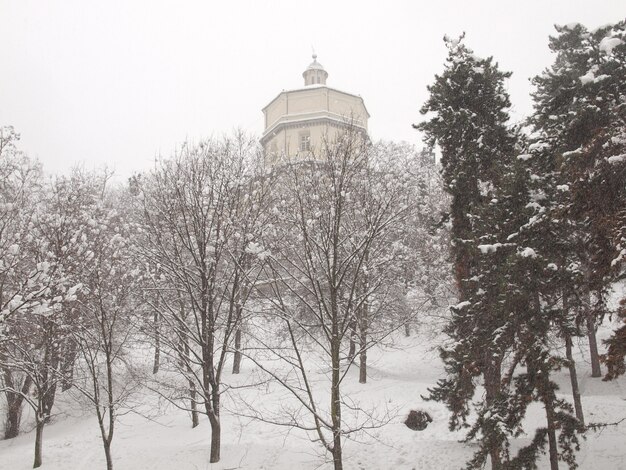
point(110, 299)
point(35, 337)
point(35, 290)
point(202, 215)
point(332, 217)
point(19, 185)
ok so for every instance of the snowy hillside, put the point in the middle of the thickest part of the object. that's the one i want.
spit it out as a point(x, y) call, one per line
point(398, 377)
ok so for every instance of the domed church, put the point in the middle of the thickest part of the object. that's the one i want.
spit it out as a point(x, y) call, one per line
point(297, 121)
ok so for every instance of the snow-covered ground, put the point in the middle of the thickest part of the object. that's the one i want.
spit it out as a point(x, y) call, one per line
point(398, 376)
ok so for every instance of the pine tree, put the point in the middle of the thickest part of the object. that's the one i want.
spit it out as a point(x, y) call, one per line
point(506, 244)
point(578, 120)
point(469, 123)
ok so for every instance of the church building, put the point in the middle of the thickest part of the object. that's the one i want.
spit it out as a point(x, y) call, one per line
point(298, 121)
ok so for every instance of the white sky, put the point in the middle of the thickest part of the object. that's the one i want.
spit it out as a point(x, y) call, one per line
point(119, 82)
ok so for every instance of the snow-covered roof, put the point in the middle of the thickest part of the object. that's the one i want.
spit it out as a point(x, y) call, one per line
point(315, 65)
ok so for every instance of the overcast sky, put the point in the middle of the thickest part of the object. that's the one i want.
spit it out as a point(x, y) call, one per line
point(119, 82)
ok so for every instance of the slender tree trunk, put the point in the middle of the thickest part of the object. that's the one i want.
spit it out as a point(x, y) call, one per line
point(237, 355)
point(48, 402)
point(493, 380)
point(107, 454)
point(184, 362)
point(38, 440)
point(407, 323)
point(593, 346)
point(213, 412)
point(554, 455)
point(216, 437)
point(590, 323)
point(571, 364)
point(363, 330)
point(337, 458)
point(110, 404)
point(49, 373)
point(157, 339)
point(106, 436)
point(546, 392)
point(574, 379)
point(363, 355)
point(353, 335)
point(194, 409)
point(49, 388)
point(335, 405)
point(67, 366)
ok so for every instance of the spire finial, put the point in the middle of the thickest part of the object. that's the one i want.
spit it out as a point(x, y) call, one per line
point(314, 55)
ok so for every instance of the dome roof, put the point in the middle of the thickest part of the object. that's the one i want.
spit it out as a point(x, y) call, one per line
point(315, 65)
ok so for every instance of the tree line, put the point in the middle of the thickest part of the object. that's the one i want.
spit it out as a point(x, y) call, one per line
point(167, 283)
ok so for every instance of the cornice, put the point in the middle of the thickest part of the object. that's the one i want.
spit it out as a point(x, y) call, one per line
point(308, 120)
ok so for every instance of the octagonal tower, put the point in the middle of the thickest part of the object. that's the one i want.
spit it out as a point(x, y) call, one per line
point(297, 121)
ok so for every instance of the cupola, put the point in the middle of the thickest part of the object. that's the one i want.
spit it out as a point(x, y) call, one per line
point(315, 73)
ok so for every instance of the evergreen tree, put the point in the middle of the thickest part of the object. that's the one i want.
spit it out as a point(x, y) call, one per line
point(508, 245)
point(578, 131)
point(468, 103)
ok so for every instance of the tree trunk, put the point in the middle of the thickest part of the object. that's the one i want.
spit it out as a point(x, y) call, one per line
point(335, 404)
point(554, 454)
point(194, 409)
point(352, 350)
point(363, 356)
point(337, 459)
point(38, 440)
point(49, 376)
point(407, 313)
point(363, 330)
point(157, 340)
point(237, 356)
point(212, 408)
point(493, 379)
point(574, 379)
point(106, 436)
point(184, 362)
point(67, 365)
point(593, 346)
point(48, 402)
point(548, 397)
point(107, 454)
point(216, 432)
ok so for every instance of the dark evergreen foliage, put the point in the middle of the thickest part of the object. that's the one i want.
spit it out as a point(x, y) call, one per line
point(579, 147)
point(537, 236)
point(468, 120)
